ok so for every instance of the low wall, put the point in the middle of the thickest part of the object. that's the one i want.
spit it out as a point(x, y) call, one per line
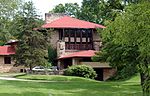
point(96, 64)
point(108, 72)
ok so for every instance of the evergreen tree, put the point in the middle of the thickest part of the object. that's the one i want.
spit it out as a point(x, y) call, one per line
point(31, 49)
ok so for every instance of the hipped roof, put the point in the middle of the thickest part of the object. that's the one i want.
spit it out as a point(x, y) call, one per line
point(7, 50)
point(86, 53)
point(69, 22)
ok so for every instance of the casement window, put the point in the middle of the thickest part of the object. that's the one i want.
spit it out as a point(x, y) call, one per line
point(77, 39)
point(7, 60)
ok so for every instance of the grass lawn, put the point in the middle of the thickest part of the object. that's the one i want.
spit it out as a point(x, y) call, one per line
point(69, 86)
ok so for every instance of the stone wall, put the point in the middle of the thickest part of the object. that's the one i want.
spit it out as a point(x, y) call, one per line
point(96, 41)
point(49, 17)
point(8, 67)
point(54, 38)
point(108, 72)
point(96, 64)
point(60, 48)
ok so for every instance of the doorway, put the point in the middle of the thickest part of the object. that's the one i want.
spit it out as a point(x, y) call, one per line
point(99, 72)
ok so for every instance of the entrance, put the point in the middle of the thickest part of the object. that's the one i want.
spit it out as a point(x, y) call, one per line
point(99, 72)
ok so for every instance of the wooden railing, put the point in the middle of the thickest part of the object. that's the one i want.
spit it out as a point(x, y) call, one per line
point(78, 46)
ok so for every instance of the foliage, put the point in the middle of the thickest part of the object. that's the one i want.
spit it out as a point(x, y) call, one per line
point(120, 57)
point(71, 9)
point(127, 41)
point(31, 49)
point(52, 55)
point(8, 11)
point(100, 11)
point(81, 71)
point(92, 10)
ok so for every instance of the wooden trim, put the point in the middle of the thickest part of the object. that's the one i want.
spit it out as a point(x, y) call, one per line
point(69, 38)
point(87, 40)
point(81, 40)
point(92, 39)
point(63, 38)
point(75, 37)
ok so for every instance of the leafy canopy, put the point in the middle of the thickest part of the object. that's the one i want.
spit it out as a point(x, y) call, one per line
point(127, 41)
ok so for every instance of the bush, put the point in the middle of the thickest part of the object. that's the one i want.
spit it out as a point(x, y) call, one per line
point(125, 72)
point(81, 71)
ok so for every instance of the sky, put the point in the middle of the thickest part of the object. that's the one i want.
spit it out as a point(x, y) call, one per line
point(44, 6)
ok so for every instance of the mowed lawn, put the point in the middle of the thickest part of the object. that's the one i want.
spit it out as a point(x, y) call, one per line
point(69, 86)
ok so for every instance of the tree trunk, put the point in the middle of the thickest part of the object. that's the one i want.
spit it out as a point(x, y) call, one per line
point(145, 80)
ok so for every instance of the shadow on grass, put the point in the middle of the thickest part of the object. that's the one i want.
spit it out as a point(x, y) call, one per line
point(72, 88)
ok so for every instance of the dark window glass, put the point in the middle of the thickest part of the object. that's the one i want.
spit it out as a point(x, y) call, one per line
point(67, 33)
point(72, 33)
point(7, 60)
point(78, 33)
point(84, 32)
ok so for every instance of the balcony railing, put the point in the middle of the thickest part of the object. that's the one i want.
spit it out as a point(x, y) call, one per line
point(78, 46)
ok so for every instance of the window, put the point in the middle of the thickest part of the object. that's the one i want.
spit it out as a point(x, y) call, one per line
point(7, 60)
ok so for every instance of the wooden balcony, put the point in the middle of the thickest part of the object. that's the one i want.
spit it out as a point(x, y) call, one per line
point(78, 47)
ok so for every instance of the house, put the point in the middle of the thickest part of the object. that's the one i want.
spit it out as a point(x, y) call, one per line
point(76, 42)
point(6, 60)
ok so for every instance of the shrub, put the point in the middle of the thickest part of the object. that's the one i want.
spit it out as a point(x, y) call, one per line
point(81, 71)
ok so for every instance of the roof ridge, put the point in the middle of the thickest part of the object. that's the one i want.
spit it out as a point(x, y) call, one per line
point(71, 22)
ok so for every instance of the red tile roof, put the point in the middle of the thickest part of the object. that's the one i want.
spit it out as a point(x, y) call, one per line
point(69, 22)
point(87, 53)
point(7, 50)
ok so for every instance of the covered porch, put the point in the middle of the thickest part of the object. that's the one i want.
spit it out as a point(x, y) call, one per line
point(103, 70)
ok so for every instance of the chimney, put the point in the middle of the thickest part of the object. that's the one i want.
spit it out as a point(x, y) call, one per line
point(49, 17)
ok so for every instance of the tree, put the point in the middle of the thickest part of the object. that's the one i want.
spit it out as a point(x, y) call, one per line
point(71, 9)
point(7, 12)
point(52, 55)
point(127, 41)
point(31, 49)
point(98, 11)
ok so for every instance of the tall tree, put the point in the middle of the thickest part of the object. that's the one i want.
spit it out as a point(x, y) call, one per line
point(127, 41)
point(7, 12)
point(99, 11)
point(32, 44)
point(71, 9)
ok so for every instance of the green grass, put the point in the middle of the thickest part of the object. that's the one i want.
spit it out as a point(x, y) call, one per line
point(54, 78)
point(11, 74)
point(75, 87)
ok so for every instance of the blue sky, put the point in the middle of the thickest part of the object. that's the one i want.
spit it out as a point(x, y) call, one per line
point(45, 6)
